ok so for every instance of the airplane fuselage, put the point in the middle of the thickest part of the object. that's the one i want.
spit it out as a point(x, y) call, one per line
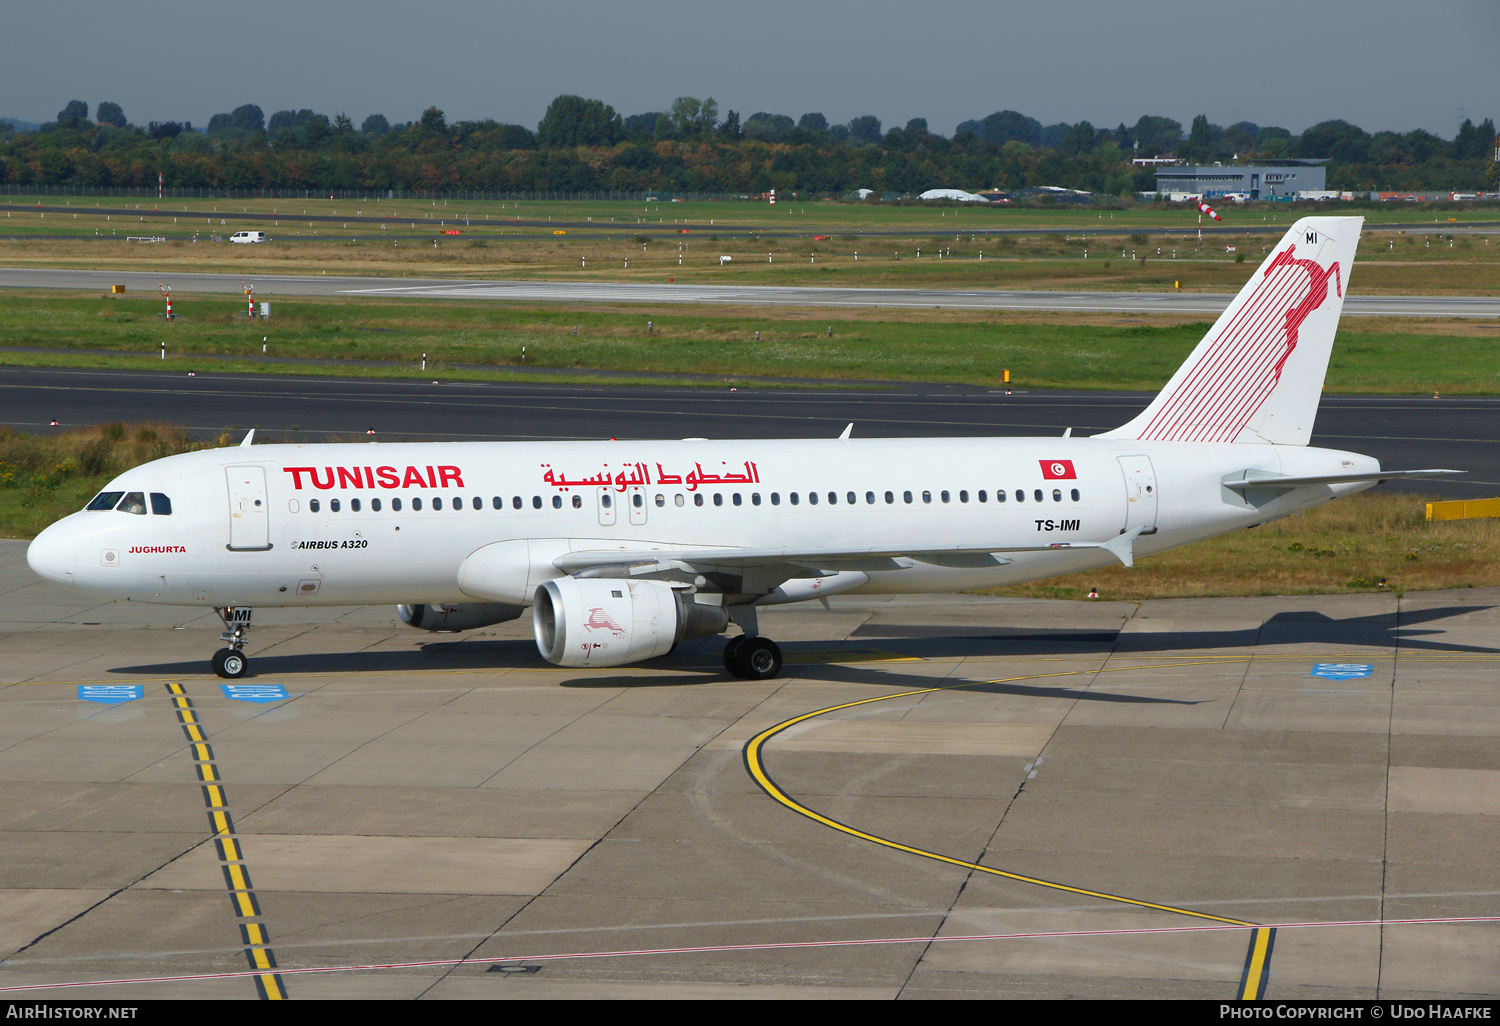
point(360, 524)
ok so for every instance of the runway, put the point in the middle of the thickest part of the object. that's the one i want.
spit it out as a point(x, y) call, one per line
point(1188, 303)
point(1279, 798)
point(1400, 431)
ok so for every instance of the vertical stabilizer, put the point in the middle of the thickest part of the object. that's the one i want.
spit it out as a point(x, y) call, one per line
point(1258, 373)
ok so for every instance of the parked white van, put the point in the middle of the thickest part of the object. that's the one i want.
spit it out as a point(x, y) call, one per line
point(248, 237)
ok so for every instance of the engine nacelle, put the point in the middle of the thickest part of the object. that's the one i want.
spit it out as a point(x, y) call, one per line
point(612, 622)
point(427, 617)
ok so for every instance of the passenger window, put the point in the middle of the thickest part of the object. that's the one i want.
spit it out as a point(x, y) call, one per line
point(794, 498)
point(833, 498)
point(1057, 495)
point(458, 504)
point(982, 496)
point(395, 505)
point(776, 498)
point(755, 498)
point(294, 505)
point(134, 502)
point(161, 505)
point(375, 505)
point(536, 502)
point(698, 499)
point(515, 502)
point(1020, 495)
point(477, 502)
point(906, 496)
point(870, 498)
point(637, 500)
point(578, 502)
point(812, 498)
point(333, 505)
point(557, 502)
point(678, 499)
point(313, 504)
point(736, 498)
point(105, 500)
point(1037, 495)
point(661, 500)
point(437, 503)
point(851, 498)
point(1075, 494)
point(354, 505)
point(926, 496)
point(890, 497)
point(718, 499)
point(497, 502)
point(999, 495)
point(606, 501)
point(944, 495)
point(963, 496)
point(416, 504)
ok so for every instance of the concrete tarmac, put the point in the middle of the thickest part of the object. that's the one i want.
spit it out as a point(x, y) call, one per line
point(1206, 304)
point(455, 809)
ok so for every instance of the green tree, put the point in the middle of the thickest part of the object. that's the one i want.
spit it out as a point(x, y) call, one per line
point(434, 122)
point(110, 114)
point(693, 118)
point(573, 121)
point(375, 124)
point(75, 111)
point(730, 129)
point(865, 129)
point(813, 123)
point(248, 117)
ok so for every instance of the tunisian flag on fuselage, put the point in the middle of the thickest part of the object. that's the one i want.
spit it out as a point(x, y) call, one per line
point(1058, 470)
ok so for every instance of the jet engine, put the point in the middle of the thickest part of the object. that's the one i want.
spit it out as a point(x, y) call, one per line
point(446, 618)
point(612, 622)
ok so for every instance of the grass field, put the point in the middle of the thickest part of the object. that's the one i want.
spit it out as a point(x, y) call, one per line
point(933, 248)
point(1369, 542)
point(1040, 350)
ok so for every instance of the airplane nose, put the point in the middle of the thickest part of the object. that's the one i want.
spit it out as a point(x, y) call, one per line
point(54, 554)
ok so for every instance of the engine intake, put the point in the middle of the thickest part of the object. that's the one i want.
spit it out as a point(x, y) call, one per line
point(426, 617)
point(603, 622)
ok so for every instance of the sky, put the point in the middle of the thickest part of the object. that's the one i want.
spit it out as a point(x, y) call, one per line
point(1381, 64)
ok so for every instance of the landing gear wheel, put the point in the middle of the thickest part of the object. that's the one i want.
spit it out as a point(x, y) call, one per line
point(230, 663)
point(758, 659)
point(731, 653)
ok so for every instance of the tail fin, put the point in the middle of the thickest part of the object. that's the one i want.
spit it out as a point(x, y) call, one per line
point(1258, 373)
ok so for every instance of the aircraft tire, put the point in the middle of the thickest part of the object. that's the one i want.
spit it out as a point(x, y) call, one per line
point(731, 654)
point(231, 663)
point(758, 659)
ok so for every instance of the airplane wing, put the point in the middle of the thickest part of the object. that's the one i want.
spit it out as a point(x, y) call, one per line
point(865, 559)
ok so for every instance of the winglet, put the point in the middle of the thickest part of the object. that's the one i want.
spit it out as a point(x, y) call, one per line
point(847, 431)
point(248, 437)
point(1123, 547)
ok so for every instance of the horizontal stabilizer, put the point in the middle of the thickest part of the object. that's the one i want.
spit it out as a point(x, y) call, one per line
point(1259, 480)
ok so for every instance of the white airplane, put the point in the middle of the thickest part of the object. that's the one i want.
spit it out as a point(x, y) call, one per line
point(621, 549)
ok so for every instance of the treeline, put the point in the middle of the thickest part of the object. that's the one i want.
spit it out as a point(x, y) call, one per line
point(585, 145)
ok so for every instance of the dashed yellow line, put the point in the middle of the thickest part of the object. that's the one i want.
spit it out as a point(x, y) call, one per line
point(755, 765)
point(256, 939)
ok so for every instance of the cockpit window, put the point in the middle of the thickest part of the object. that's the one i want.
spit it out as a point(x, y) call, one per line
point(161, 505)
point(134, 502)
point(105, 500)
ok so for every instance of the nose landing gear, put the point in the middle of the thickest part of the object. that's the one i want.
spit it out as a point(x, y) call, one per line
point(232, 662)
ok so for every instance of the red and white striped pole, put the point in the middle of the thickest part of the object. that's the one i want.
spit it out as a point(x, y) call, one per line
point(249, 299)
point(168, 292)
point(159, 180)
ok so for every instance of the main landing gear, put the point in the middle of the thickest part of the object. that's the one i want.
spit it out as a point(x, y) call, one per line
point(232, 662)
point(752, 658)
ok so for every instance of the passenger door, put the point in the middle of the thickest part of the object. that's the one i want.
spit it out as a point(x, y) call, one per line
point(1140, 493)
point(249, 509)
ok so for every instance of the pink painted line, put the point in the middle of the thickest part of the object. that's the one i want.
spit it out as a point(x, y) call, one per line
point(771, 946)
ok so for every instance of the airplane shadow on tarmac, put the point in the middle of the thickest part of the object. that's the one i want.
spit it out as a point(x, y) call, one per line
point(880, 641)
point(1383, 630)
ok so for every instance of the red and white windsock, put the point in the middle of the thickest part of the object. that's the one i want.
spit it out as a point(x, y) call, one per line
point(1204, 208)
